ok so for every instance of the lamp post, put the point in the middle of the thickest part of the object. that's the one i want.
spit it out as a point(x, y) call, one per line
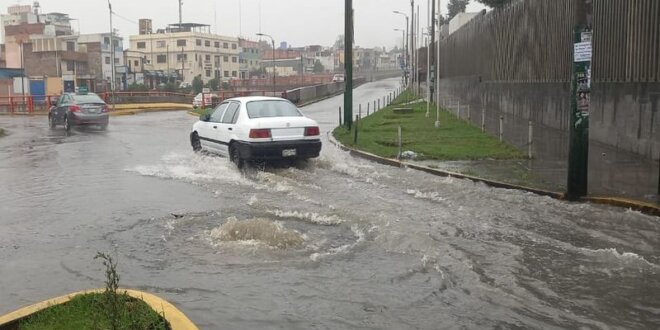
point(407, 57)
point(112, 55)
point(403, 43)
point(273, 42)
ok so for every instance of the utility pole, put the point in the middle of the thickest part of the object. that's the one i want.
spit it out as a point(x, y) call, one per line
point(412, 42)
point(348, 63)
point(432, 53)
point(578, 156)
point(112, 57)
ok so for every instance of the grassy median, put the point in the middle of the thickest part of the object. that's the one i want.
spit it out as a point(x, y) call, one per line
point(456, 139)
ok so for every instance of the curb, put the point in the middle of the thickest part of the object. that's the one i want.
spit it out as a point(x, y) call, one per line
point(643, 207)
point(176, 319)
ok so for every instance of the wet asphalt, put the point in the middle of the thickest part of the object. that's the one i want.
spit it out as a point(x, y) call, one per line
point(337, 243)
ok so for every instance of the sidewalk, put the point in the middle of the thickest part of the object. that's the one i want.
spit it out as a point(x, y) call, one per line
point(121, 109)
point(612, 172)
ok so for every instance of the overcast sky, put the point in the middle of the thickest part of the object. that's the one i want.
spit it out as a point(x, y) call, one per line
point(299, 22)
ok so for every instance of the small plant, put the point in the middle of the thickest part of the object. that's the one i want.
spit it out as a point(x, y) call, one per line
point(112, 299)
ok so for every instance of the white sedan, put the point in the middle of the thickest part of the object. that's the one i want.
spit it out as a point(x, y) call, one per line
point(257, 128)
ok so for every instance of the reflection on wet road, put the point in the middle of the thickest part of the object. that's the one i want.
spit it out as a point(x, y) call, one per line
point(337, 243)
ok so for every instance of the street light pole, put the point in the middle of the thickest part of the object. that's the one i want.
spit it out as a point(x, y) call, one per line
point(407, 55)
point(112, 57)
point(273, 43)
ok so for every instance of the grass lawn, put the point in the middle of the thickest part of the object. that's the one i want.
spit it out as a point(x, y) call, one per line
point(456, 139)
point(90, 311)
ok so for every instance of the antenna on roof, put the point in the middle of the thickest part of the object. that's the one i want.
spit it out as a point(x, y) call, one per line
point(180, 13)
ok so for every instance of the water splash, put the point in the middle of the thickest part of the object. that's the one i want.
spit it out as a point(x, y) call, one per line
point(255, 231)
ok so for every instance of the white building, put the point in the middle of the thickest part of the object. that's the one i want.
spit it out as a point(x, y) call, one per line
point(190, 50)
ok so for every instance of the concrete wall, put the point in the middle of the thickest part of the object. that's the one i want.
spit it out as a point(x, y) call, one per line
point(543, 103)
point(310, 93)
point(625, 115)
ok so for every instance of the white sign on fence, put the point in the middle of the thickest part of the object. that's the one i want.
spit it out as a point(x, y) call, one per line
point(583, 51)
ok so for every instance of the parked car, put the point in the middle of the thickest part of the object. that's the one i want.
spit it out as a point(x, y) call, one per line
point(257, 128)
point(185, 85)
point(338, 78)
point(208, 100)
point(77, 109)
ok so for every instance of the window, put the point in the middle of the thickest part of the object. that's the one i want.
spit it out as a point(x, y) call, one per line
point(233, 46)
point(216, 44)
point(208, 73)
point(265, 109)
point(181, 43)
point(70, 66)
point(217, 61)
point(181, 57)
point(230, 115)
point(106, 40)
point(137, 63)
point(216, 117)
point(107, 60)
point(70, 46)
point(161, 44)
point(233, 59)
point(208, 58)
point(207, 43)
point(161, 59)
point(226, 73)
point(234, 74)
point(226, 59)
point(225, 45)
point(198, 42)
point(116, 60)
point(141, 45)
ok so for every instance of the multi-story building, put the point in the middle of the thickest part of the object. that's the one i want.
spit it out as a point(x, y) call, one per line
point(182, 52)
point(249, 58)
point(137, 69)
point(99, 59)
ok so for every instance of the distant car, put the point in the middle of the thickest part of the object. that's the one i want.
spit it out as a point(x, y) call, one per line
point(338, 78)
point(208, 100)
point(185, 85)
point(257, 128)
point(77, 109)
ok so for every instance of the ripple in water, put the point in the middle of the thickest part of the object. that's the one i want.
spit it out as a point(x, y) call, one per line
point(259, 231)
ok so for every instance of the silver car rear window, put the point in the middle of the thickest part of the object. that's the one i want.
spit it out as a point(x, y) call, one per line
point(272, 108)
point(87, 98)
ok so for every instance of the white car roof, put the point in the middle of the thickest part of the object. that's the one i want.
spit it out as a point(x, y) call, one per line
point(256, 98)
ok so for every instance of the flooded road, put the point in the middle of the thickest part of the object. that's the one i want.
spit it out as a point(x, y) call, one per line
point(338, 243)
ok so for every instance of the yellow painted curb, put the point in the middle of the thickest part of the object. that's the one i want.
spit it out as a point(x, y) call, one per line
point(176, 319)
point(644, 207)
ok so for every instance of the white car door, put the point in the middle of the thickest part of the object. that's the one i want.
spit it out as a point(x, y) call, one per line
point(226, 127)
point(208, 131)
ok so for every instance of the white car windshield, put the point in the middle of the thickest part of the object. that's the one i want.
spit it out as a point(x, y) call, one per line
point(272, 108)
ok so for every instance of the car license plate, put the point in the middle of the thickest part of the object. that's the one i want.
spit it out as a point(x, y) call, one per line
point(288, 152)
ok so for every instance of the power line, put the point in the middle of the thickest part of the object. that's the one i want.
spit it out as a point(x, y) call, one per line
point(126, 19)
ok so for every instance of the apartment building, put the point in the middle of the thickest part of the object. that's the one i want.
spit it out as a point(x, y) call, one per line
point(182, 52)
point(99, 58)
point(249, 58)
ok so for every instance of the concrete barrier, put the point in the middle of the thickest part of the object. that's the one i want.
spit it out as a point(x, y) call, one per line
point(311, 93)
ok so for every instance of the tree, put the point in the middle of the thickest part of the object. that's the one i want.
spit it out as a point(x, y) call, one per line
point(495, 3)
point(318, 67)
point(197, 84)
point(138, 87)
point(213, 84)
point(339, 43)
point(455, 7)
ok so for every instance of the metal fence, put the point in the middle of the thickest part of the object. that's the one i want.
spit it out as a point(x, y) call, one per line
point(532, 40)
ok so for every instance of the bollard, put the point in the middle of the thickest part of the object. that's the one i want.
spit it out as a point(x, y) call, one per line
point(458, 110)
point(374, 106)
point(339, 116)
point(360, 110)
point(483, 119)
point(530, 140)
point(368, 104)
point(355, 138)
point(469, 116)
point(400, 144)
point(501, 128)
